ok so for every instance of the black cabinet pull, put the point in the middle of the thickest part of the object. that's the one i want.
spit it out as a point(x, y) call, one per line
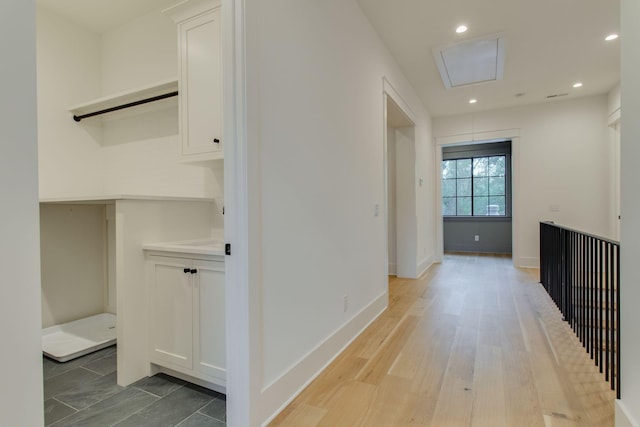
point(193, 271)
point(216, 140)
point(187, 270)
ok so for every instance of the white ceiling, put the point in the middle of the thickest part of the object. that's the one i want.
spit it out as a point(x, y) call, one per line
point(550, 44)
point(102, 15)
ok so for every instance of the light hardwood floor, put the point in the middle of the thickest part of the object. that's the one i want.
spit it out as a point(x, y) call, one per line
point(474, 342)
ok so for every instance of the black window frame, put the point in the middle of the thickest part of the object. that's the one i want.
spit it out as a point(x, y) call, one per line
point(479, 151)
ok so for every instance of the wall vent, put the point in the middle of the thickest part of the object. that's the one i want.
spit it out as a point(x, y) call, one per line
point(557, 95)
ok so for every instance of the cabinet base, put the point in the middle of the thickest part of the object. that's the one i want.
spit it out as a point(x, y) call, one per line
point(156, 369)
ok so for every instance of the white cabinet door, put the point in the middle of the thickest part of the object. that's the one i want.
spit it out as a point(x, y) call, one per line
point(187, 316)
point(201, 85)
point(171, 316)
point(210, 350)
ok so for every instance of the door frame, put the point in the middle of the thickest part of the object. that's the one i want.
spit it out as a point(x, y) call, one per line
point(241, 301)
point(389, 92)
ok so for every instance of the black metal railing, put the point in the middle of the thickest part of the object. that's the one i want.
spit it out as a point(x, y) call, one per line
point(581, 273)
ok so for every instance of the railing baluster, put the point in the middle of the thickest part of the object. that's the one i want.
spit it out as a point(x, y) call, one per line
point(593, 306)
point(612, 318)
point(589, 323)
point(599, 309)
point(618, 374)
point(606, 314)
point(581, 289)
point(574, 283)
point(581, 274)
point(585, 295)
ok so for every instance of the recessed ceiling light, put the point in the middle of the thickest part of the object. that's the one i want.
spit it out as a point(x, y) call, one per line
point(473, 101)
point(461, 29)
point(611, 37)
point(577, 85)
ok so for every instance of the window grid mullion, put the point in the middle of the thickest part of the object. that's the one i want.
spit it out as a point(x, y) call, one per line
point(472, 177)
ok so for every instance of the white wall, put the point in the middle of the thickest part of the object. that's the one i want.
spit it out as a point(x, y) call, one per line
point(21, 389)
point(564, 164)
point(614, 96)
point(68, 74)
point(316, 129)
point(139, 53)
point(614, 101)
point(132, 152)
point(628, 408)
point(73, 262)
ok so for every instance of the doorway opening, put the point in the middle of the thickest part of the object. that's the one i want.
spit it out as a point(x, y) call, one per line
point(400, 190)
point(476, 198)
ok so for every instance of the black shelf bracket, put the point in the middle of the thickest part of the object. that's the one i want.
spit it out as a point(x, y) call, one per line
point(129, 105)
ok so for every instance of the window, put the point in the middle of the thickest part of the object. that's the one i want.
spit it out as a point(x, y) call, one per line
point(474, 186)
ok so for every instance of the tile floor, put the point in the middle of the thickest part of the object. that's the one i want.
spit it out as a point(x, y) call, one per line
point(83, 392)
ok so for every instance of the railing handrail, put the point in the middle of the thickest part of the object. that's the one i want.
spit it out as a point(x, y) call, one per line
point(595, 236)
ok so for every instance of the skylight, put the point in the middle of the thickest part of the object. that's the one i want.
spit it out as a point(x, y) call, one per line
point(470, 62)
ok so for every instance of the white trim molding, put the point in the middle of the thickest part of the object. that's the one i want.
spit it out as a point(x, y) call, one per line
point(481, 138)
point(393, 269)
point(614, 118)
point(406, 265)
point(243, 361)
point(388, 89)
point(623, 417)
point(425, 265)
point(478, 137)
point(314, 362)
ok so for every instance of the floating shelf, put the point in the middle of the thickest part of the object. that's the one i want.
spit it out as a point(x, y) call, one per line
point(111, 198)
point(126, 99)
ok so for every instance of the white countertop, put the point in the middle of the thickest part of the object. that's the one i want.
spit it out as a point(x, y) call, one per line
point(199, 247)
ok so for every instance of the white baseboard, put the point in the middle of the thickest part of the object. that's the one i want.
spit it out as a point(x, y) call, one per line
point(424, 265)
point(393, 269)
point(623, 417)
point(528, 262)
point(277, 395)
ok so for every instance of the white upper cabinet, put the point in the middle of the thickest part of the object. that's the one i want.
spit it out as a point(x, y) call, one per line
point(200, 78)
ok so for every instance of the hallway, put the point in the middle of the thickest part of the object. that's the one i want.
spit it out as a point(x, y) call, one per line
point(473, 342)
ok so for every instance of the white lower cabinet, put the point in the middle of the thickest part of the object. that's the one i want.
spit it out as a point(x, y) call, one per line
point(209, 320)
point(187, 316)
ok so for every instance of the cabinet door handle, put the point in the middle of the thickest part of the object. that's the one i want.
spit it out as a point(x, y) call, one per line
point(216, 140)
point(193, 271)
point(187, 270)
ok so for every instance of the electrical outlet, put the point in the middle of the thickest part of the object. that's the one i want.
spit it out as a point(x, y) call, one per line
point(477, 238)
point(376, 209)
point(346, 303)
